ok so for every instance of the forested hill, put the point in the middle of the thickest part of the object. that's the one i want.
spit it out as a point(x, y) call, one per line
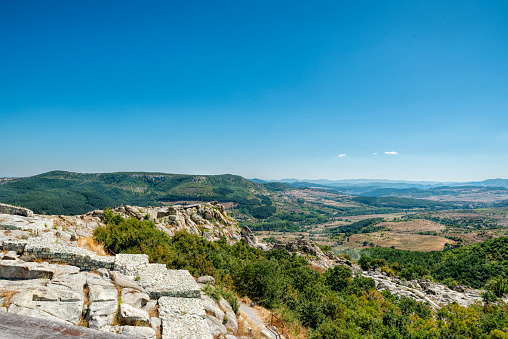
point(60, 192)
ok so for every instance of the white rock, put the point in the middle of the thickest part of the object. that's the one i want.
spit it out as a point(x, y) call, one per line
point(137, 332)
point(133, 316)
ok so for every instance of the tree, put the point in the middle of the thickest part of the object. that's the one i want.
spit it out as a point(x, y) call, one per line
point(338, 278)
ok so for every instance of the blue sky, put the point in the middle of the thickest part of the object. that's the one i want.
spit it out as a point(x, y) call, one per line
point(267, 89)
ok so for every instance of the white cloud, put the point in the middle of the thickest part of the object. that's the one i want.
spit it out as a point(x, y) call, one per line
point(341, 155)
point(375, 153)
point(391, 153)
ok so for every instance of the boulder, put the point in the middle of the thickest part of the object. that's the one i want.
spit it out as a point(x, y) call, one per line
point(150, 306)
point(206, 279)
point(133, 316)
point(134, 298)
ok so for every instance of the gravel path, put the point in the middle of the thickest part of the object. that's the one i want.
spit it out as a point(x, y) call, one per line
point(252, 315)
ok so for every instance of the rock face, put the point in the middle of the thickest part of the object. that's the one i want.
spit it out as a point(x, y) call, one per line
point(15, 210)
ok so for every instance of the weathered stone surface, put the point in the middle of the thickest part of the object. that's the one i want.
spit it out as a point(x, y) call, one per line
point(150, 306)
point(231, 323)
point(206, 279)
point(15, 210)
point(211, 306)
point(102, 293)
point(134, 298)
point(101, 314)
point(156, 324)
point(183, 318)
point(11, 255)
point(224, 305)
point(75, 282)
point(137, 332)
point(124, 281)
point(158, 281)
point(15, 326)
point(17, 269)
point(48, 304)
point(216, 326)
point(93, 279)
point(133, 316)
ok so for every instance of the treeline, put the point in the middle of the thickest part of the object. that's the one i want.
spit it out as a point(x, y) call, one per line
point(288, 222)
point(477, 222)
point(330, 305)
point(361, 226)
point(471, 265)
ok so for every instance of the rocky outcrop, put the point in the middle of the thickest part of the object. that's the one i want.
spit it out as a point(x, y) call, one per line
point(425, 290)
point(250, 239)
point(15, 210)
point(209, 220)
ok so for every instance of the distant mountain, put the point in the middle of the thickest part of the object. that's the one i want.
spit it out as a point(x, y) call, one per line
point(387, 183)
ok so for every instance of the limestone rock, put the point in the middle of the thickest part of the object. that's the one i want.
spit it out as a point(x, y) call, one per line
point(206, 279)
point(11, 255)
point(133, 316)
point(156, 323)
point(125, 282)
point(232, 323)
point(211, 306)
point(99, 293)
point(150, 306)
point(134, 298)
point(216, 327)
point(137, 332)
point(17, 269)
point(101, 314)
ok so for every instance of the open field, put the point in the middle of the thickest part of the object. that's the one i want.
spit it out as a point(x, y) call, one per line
point(403, 241)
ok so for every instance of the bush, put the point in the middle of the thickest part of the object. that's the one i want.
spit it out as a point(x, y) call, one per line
point(498, 285)
point(338, 278)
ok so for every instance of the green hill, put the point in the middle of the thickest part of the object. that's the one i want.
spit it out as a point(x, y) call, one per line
point(60, 192)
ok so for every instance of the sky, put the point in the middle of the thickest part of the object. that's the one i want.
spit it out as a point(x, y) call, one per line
point(408, 90)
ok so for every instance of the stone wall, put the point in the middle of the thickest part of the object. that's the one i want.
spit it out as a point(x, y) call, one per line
point(15, 210)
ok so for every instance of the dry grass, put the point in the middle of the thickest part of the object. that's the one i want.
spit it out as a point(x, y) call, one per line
point(408, 241)
point(90, 244)
point(414, 226)
point(84, 322)
point(154, 312)
point(7, 295)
